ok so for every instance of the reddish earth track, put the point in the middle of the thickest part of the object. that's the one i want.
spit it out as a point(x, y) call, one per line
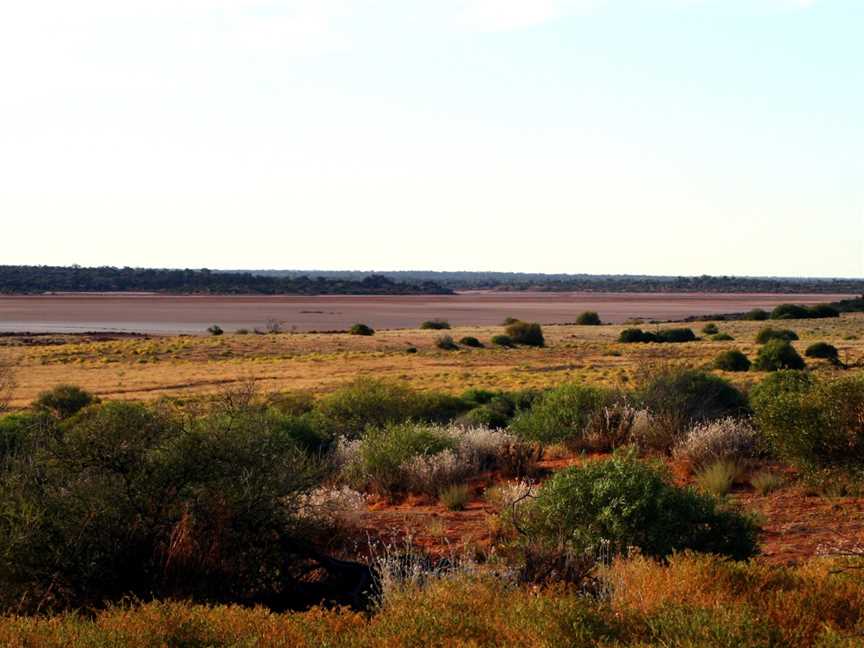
point(193, 314)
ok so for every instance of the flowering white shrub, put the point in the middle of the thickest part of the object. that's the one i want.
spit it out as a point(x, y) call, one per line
point(432, 473)
point(721, 440)
point(332, 507)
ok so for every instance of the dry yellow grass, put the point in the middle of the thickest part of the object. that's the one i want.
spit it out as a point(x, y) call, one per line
point(143, 369)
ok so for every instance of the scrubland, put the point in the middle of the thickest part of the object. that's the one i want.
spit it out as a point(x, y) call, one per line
point(338, 490)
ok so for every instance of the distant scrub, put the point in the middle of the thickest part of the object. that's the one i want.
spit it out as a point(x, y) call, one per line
point(527, 333)
point(446, 343)
point(435, 324)
point(64, 401)
point(732, 360)
point(757, 315)
point(710, 329)
point(767, 334)
point(722, 337)
point(502, 340)
point(471, 341)
point(778, 354)
point(361, 329)
point(795, 311)
point(215, 330)
point(588, 318)
point(676, 335)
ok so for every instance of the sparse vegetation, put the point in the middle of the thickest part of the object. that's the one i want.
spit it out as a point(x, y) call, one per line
point(215, 329)
point(766, 482)
point(446, 343)
point(717, 478)
point(456, 497)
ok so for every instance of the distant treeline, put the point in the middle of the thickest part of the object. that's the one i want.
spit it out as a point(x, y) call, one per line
point(511, 281)
point(41, 279)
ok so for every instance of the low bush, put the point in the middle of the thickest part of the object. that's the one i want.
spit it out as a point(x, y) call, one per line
point(710, 329)
point(455, 497)
point(495, 409)
point(776, 355)
point(471, 341)
point(366, 402)
point(446, 343)
point(727, 439)
point(588, 318)
point(824, 351)
point(64, 401)
point(502, 341)
point(722, 337)
point(732, 360)
point(627, 503)
point(767, 334)
point(676, 335)
point(796, 311)
point(435, 324)
point(812, 424)
point(563, 414)
point(677, 398)
point(361, 329)
point(527, 333)
point(635, 335)
point(215, 330)
point(756, 315)
point(718, 477)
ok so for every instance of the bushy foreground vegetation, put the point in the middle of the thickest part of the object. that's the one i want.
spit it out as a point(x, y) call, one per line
point(692, 601)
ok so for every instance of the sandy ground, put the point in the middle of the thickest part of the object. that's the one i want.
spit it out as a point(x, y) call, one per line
point(193, 314)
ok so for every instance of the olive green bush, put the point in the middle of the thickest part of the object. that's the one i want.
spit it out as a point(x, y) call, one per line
point(776, 355)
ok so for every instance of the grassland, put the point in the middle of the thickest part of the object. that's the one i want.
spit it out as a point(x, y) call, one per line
point(146, 368)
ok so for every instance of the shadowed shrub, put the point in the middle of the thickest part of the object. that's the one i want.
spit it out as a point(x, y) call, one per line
point(471, 341)
point(435, 325)
point(732, 360)
point(502, 341)
point(756, 315)
point(634, 335)
point(446, 343)
point(588, 318)
point(776, 355)
point(527, 333)
point(676, 335)
point(710, 329)
point(361, 329)
point(722, 337)
point(63, 401)
point(767, 334)
point(824, 351)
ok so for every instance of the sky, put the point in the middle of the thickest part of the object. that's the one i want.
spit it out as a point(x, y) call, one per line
point(681, 137)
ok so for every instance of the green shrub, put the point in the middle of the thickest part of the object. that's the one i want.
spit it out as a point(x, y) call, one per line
point(385, 450)
point(722, 337)
point(495, 409)
point(812, 424)
point(710, 329)
point(767, 334)
point(588, 318)
point(471, 341)
point(824, 351)
point(820, 311)
point(456, 497)
point(790, 311)
point(215, 330)
point(776, 355)
point(446, 343)
point(628, 503)
point(756, 315)
point(502, 340)
point(676, 335)
point(20, 430)
point(732, 360)
point(765, 482)
point(291, 403)
point(361, 329)
point(63, 401)
point(435, 324)
point(678, 397)
point(131, 501)
point(527, 333)
point(634, 335)
point(562, 414)
point(364, 402)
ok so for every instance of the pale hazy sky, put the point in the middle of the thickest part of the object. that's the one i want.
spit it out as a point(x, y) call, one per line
point(612, 136)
